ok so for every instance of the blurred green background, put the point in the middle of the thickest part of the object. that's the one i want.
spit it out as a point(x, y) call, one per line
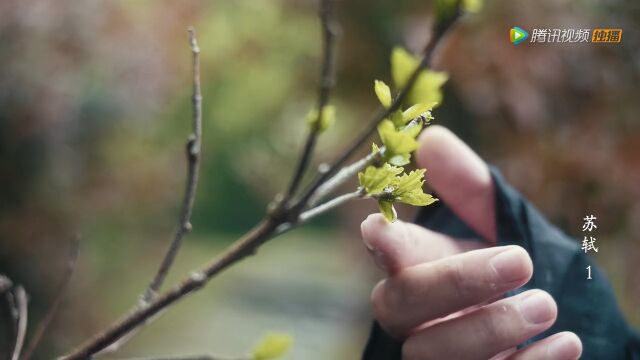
point(95, 109)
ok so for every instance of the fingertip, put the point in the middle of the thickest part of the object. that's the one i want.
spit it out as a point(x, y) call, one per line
point(565, 345)
point(513, 264)
point(538, 307)
point(372, 221)
point(371, 229)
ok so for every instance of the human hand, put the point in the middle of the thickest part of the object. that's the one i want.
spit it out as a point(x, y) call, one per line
point(445, 297)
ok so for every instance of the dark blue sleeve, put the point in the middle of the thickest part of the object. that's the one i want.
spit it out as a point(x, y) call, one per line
point(585, 307)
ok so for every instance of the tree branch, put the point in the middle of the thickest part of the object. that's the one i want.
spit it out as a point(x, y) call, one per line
point(183, 227)
point(326, 83)
point(42, 326)
point(241, 248)
point(329, 205)
point(193, 170)
point(275, 224)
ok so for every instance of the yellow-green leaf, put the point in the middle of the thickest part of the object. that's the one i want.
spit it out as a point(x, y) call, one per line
point(383, 93)
point(426, 88)
point(374, 148)
point(272, 346)
point(387, 209)
point(397, 119)
point(417, 199)
point(400, 160)
point(396, 142)
point(374, 180)
point(403, 64)
point(472, 6)
point(409, 189)
point(416, 110)
point(328, 117)
point(410, 181)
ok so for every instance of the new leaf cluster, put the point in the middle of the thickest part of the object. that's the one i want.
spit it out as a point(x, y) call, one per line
point(389, 183)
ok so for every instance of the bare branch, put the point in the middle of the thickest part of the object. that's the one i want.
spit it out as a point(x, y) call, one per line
point(21, 303)
point(193, 148)
point(42, 326)
point(329, 205)
point(193, 169)
point(326, 84)
point(342, 176)
point(241, 248)
point(382, 114)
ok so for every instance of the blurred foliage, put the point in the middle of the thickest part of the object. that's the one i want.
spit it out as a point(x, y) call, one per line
point(95, 108)
point(272, 346)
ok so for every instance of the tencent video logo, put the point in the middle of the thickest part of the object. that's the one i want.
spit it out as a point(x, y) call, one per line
point(517, 35)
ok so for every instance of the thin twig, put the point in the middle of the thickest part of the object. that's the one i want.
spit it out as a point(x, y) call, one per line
point(21, 303)
point(42, 326)
point(342, 176)
point(326, 84)
point(241, 248)
point(329, 205)
point(382, 114)
point(193, 169)
point(183, 227)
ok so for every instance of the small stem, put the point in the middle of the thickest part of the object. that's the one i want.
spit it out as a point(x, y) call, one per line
point(326, 84)
point(42, 326)
point(193, 171)
point(193, 146)
point(329, 205)
point(343, 175)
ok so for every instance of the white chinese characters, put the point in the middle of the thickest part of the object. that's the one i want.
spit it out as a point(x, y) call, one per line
point(560, 35)
point(588, 243)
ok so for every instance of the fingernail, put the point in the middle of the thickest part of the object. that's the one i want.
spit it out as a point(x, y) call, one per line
point(537, 308)
point(508, 264)
point(379, 259)
point(369, 247)
point(564, 347)
point(365, 234)
point(379, 228)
